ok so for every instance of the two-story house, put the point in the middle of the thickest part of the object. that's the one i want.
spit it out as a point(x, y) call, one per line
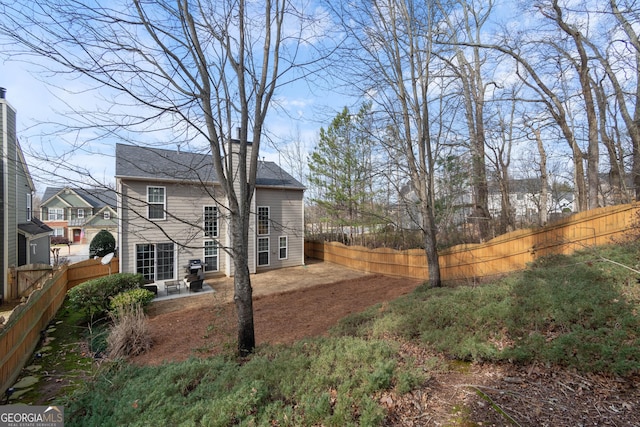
point(172, 210)
point(78, 214)
point(24, 240)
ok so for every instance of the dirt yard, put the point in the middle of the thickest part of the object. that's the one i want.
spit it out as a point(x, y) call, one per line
point(288, 305)
point(306, 301)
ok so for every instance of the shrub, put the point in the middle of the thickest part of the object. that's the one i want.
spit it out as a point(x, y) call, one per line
point(132, 297)
point(129, 335)
point(60, 240)
point(94, 296)
point(102, 244)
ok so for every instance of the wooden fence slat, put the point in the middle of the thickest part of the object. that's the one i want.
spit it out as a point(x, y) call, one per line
point(21, 332)
point(504, 254)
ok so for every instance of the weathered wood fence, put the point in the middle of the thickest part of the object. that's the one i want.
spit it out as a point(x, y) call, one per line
point(20, 334)
point(504, 254)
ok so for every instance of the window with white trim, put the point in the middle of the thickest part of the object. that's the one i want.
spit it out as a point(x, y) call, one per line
point(263, 220)
point(211, 258)
point(106, 215)
point(155, 261)
point(58, 231)
point(80, 213)
point(55, 214)
point(283, 247)
point(157, 201)
point(29, 203)
point(210, 217)
point(165, 261)
point(263, 251)
point(145, 261)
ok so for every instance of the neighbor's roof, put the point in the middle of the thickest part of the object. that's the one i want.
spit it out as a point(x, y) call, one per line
point(35, 227)
point(96, 197)
point(160, 164)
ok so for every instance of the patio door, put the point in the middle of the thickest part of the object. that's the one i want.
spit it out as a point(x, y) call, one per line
point(156, 261)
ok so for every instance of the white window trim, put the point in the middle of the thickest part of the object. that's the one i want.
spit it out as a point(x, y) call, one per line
point(204, 255)
point(258, 252)
point(164, 203)
point(286, 246)
point(29, 206)
point(154, 251)
point(268, 220)
point(80, 213)
point(106, 215)
point(217, 223)
point(56, 211)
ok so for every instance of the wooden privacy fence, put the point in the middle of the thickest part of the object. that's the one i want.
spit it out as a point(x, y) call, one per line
point(504, 254)
point(22, 331)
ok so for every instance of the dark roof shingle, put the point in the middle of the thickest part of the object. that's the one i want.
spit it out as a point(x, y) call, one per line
point(160, 164)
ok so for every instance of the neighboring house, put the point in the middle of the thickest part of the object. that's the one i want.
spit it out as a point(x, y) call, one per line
point(172, 210)
point(25, 240)
point(79, 214)
point(525, 196)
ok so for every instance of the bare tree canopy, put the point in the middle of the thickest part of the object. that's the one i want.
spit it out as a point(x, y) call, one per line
point(199, 72)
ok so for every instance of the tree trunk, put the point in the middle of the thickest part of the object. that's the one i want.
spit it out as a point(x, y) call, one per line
point(244, 307)
point(544, 180)
point(433, 259)
point(243, 292)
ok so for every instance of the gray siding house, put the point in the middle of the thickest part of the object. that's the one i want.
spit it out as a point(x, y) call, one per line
point(24, 239)
point(171, 211)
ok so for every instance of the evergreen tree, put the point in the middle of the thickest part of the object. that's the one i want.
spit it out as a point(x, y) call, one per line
point(341, 171)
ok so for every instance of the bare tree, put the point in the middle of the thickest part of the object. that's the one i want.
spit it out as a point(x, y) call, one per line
point(467, 64)
point(627, 18)
point(554, 12)
point(392, 45)
point(195, 69)
point(544, 175)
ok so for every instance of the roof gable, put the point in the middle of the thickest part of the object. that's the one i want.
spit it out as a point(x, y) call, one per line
point(78, 197)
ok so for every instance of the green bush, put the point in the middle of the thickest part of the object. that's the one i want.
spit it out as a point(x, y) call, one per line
point(132, 297)
point(102, 244)
point(94, 296)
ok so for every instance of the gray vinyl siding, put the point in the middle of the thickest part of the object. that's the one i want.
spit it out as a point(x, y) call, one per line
point(285, 212)
point(11, 196)
point(183, 223)
point(3, 194)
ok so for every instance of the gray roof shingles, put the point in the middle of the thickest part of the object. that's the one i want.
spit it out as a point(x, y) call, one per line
point(160, 164)
point(96, 197)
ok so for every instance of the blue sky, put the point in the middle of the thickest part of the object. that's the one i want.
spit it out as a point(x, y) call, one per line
point(37, 99)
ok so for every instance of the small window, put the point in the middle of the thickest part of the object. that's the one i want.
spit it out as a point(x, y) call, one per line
point(29, 201)
point(58, 231)
point(263, 251)
point(106, 215)
point(80, 213)
point(283, 248)
point(156, 200)
point(211, 255)
point(263, 220)
point(210, 216)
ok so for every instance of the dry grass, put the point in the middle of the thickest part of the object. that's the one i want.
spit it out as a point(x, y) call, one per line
point(129, 335)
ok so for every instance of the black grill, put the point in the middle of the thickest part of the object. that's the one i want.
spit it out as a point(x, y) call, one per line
point(195, 266)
